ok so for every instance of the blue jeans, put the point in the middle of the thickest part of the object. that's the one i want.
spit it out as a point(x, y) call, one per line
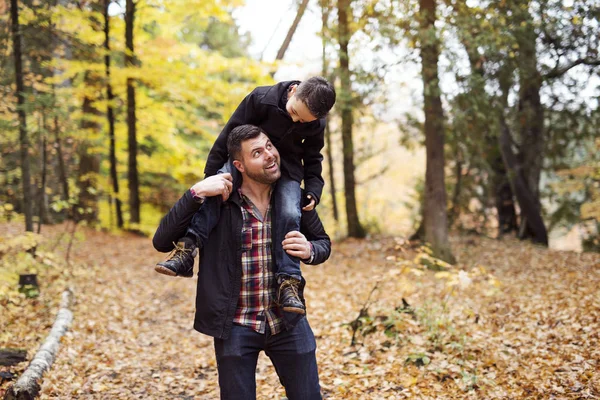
point(286, 218)
point(291, 352)
point(207, 217)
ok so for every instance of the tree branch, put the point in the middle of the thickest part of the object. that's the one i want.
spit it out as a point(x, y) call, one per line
point(559, 71)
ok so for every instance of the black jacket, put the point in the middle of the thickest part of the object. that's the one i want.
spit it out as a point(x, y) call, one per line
point(299, 144)
point(219, 277)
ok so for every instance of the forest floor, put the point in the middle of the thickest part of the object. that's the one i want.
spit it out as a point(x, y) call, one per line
point(510, 321)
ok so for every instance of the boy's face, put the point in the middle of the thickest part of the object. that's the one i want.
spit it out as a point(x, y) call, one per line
point(297, 109)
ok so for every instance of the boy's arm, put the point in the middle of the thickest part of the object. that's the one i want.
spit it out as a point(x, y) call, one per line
point(174, 225)
point(313, 164)
point(245, 113)
point(312, 227)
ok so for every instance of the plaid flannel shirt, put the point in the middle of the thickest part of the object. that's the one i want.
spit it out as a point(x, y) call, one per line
point(256, 305)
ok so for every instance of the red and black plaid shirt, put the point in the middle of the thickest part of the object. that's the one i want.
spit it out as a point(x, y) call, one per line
point(256, 304)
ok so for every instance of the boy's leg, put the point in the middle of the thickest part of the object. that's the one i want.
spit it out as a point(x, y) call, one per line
point(293, 355)
point(207, 217)
point(286, 218)
point(181, 261)
point(236, 363)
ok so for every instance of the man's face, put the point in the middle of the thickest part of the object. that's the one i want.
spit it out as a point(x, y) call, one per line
point(259, 160)
point(297, 108)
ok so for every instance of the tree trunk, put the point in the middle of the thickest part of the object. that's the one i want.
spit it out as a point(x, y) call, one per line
point(24, 140)
point(530, 210)
point(132, 173)
point(292, 30)
point(530, 116)
point(503, 195)
point(454, 212)
point(500, 185)
point(435, 216)
point(62, 169)
point(42, 200)
point(89, 163)
point(355, 229)
point(325, 10)
point(111, 118)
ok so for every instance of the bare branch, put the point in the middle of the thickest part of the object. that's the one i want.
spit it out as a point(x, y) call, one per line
point(373, 176)
point(560, 71)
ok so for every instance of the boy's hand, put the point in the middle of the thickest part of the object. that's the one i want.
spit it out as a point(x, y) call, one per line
point(311, 203)
point(295, 244)
point(215, 185)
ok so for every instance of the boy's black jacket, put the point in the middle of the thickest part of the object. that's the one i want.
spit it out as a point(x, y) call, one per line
point(220, 272)
point(299, 144)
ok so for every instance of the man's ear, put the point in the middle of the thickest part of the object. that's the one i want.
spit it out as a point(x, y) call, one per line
point(238, 165)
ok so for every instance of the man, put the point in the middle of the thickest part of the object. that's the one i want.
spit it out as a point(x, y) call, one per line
point(236, 298)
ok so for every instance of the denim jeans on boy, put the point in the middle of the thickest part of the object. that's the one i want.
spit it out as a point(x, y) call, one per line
point(291, 352)
point(286, 218)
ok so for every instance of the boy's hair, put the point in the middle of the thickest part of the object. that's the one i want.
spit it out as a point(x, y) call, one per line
point(318, 95)
point(238, 135)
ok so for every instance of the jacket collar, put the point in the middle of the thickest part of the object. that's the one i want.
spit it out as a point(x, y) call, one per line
point(276, 91)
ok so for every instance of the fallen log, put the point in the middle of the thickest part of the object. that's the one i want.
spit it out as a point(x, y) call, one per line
point(28, 386)
point(10, 356)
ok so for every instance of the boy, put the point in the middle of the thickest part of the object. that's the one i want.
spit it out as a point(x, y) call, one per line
point(293, 115)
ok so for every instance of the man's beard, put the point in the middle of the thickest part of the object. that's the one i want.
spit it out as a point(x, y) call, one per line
point(264, 177)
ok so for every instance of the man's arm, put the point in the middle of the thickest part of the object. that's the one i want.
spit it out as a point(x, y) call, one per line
point(313, 164)
point(312, 245)
point(174, 225)
point(245, 113)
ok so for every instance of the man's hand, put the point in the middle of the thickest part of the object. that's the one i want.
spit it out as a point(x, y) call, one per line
point(220, 184)
point(295, 244)
point(311, 205)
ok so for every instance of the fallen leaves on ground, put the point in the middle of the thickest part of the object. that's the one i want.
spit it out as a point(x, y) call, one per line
point(512, 320)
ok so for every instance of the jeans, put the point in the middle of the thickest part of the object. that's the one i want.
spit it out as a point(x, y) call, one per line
point(286, 218)
point(287, 215)
point(291, 352)
point(207, 217)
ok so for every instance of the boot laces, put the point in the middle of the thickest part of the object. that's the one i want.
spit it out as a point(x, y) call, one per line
point(179, 252)
point(289, 283)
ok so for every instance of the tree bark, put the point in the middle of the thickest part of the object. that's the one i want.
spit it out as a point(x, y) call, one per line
point(42, 204)
point(325, 11)
point(355, 229)
point(292, 30)
point(62, 169)
point(503, 196)
point(111, 118)
point(454, 212)
point(530, 116)
point(89, 163)
point(132, 173)
point(23, 138)
point(530, 210)
point(435, 215)
point(11, 356)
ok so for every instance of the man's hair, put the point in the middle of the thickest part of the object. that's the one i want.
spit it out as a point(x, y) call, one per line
point(318, 95)
point(238, 135)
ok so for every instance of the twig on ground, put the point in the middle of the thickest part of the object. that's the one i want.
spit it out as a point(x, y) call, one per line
point(361, 314)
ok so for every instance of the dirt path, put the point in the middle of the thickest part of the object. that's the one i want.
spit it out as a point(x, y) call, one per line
point(533, 336)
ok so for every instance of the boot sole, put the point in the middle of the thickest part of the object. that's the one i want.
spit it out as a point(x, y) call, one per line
point(163, 270)
point(294, 310)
